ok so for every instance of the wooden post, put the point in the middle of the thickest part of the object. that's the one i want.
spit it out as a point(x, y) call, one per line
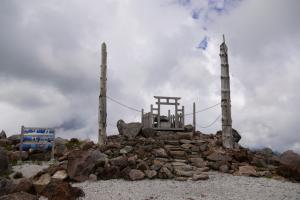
point(182, 116)
point(102, 98)
point(53, 143)
point(21, 142)
point(142, 119)
point(176, 114)
point(227, 137)
point(151, 115)
point(194, 117)
point(158, 113)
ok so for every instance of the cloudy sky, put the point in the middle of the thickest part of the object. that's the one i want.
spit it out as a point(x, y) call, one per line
point(50, 58)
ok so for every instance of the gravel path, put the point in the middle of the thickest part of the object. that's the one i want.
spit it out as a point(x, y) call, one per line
point(30, 169)
point(218, 187)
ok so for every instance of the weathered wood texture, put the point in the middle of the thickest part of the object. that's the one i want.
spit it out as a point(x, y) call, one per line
point(102, 97)
point(227, 137)
point(194, 117)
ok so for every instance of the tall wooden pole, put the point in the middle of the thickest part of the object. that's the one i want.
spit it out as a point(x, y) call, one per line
point(194, 117)
point(227, 137)
point(102, 97)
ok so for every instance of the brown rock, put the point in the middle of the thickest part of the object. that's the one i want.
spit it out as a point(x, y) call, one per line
point(86, 145)
point(82, 163)
point(5, 142)
point(181, 173)
point(165, 173)
point(177, 154)
point(197, 177)
point(150, 173)
point(4, 167)
point(108, 172)
point(224, 168)
point(198, 162)
point(160, 152)
point(132, 160)
point(216, 156)
point(135, 174)
point(6, 186)
point(179, 178)
point(184, 141)
point(61, 190)
point(19, 196)
point(24, 185)
point(289, 165)
point(120, 161)
point(247, 170)
point(143, 166)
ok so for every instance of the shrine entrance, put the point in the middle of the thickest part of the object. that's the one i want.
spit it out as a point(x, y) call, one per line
point(172, 121)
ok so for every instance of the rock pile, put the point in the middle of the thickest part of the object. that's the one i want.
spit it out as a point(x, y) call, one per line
point(139, 153)
point(147, 153)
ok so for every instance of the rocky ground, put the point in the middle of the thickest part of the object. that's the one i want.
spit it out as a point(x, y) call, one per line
point(219, 186)
point(141, 155)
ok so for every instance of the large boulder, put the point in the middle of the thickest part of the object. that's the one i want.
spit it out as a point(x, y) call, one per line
point(289, 165)
point(82, 163)
point(129, 130)
point(2, 135)
point(4, 166)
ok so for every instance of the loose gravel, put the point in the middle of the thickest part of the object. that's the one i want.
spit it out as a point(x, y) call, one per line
point(30, 169)
point(219, 187)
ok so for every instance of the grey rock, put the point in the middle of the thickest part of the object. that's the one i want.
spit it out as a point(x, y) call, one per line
point(41, 182)
point(59, 146)
point(129, 130)
point(150, 173)
point(126, 149)
point(197, 177)
point(60, 174)
point(148, 132)
point(160, 152)
point(188, 128)
point(2, 135)
point(135, 174)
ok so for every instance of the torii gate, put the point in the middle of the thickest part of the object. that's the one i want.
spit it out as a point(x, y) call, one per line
point(172, 122)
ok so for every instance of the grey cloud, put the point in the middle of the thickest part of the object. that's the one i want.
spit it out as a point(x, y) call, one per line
point(54, 47)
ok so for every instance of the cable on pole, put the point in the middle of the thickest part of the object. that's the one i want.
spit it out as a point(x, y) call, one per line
point(121, 104)
point(204, 109)
point(209, 125)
